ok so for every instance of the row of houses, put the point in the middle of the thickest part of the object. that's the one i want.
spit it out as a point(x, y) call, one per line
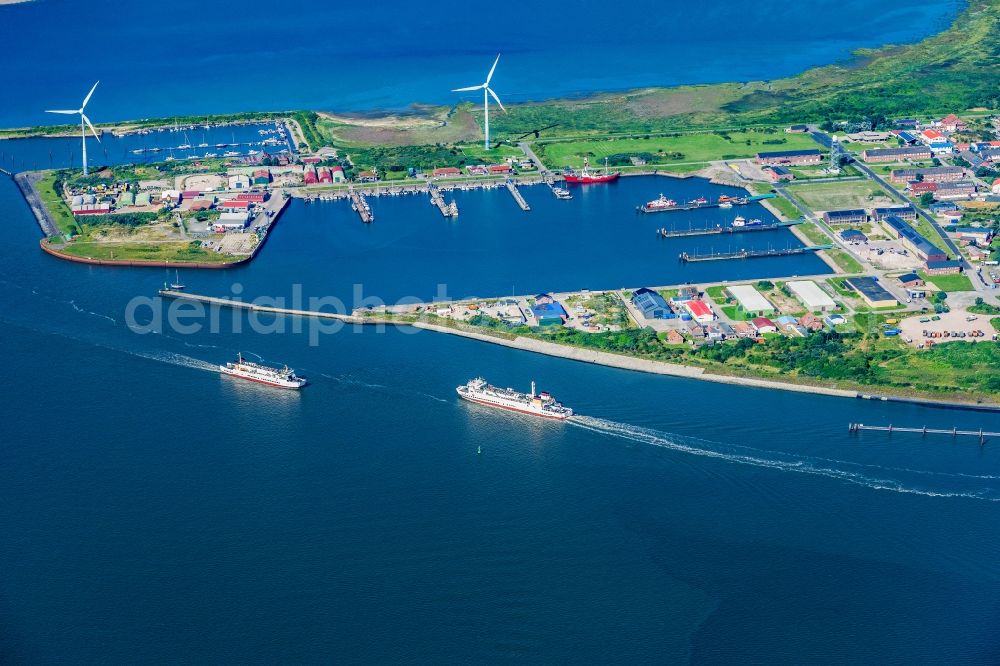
point(313, 176)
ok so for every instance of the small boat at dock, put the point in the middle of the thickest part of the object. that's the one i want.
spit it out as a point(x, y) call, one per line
point(662, 203)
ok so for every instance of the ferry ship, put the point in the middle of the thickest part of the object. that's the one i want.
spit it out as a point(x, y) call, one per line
point(542, 405)
point(663, 203)
point(585, 177)
point(283, 377)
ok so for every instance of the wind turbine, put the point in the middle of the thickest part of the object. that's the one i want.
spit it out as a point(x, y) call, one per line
point(487, 93)
point(84, 124)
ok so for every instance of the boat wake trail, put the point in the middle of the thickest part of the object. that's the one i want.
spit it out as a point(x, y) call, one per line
point(899, 480)
point(174, 359)
point(93, 314)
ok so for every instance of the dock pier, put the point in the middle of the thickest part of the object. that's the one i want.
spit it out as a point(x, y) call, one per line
point(751, 254)
point(954, 432)
point(518, 197)
point(437, 199)
point(360, 205)
point(709, 231)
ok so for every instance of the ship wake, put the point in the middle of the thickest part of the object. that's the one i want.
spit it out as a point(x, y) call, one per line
point(894, 479)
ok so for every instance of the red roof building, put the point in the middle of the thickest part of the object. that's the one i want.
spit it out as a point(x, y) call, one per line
point(764, 325)
point(309, 176)
point(932, 135)
point(256, 197)
point(444, 172)
point(324, 175)
point(312, 160)
point(500, 168)
point(700, 311)
point(952, 123)
point(921, 187)
point(233, 205)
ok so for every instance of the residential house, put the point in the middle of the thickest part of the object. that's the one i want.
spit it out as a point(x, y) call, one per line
point(764, 325)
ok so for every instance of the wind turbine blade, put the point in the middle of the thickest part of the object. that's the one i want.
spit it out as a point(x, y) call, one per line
point(490, 75)
point(92, 130)
point(87, 98)
point(480, 87)
point(68, 112)
point(496, 99)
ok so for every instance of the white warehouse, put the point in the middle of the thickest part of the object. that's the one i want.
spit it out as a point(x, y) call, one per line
point(750, 299)
point(811, 295)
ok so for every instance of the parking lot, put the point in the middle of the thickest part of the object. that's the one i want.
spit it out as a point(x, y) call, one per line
point(955, 324)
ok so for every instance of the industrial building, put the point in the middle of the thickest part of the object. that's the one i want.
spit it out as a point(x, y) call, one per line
point(809, 293)
point(873, 293)
point(651, 304)
point(231, 221)
point(548, 312)
point(913, 240)
point(700, 311)
point(750, 299)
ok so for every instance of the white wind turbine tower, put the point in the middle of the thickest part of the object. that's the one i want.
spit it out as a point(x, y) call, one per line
point(487, 93)
point(84, 124)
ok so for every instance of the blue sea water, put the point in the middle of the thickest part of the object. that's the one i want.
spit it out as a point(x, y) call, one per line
point(192, 57)
point(154, 511)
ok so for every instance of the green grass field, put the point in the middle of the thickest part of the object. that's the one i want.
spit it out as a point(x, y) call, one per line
point(949, 283)
point(815, 235)
point(836, 196)
point(845, 261)
point(54, 203)
point(170, 251)
point(690, 147)
point(785, 207)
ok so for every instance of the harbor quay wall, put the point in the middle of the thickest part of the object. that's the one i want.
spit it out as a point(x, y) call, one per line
point(136, 263)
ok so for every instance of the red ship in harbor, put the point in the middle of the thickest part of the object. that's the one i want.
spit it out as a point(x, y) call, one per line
point(586, 177)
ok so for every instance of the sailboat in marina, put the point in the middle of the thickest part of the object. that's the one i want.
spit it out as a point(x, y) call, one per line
point(177, 284)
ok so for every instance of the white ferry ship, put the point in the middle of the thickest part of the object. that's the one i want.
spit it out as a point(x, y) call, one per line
point(543, 404)
point(283, 377)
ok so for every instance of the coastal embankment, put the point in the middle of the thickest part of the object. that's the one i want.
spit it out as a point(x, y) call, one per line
point(581, 354)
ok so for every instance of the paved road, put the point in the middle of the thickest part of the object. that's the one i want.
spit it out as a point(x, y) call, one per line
point(530, 154)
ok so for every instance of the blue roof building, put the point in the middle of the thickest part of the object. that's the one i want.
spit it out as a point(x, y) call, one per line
point(549, 314)
point(913, 239)
point(651, 304)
